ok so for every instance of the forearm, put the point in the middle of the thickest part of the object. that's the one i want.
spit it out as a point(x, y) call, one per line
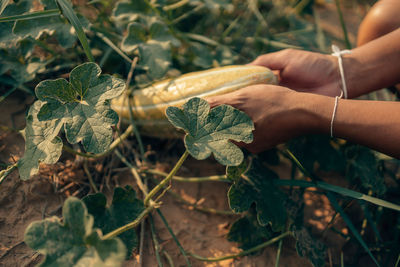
point(375, 124)
point(374, 65)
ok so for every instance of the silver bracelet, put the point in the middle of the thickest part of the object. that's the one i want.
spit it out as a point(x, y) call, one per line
point(338, 53)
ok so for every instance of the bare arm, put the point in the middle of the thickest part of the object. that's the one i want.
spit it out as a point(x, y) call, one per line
point(280, 114)
point(370, 67)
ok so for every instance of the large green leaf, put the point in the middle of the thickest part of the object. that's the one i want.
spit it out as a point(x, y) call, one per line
point(36, 27)
point(248, 232)
point(364, 168)
point(257, 187)
point(309, 247)
point(83, 104)
point(153, 39)
point(130, 10)
point(125, 208)
point(209, 131)
point(42, 145)
point(73, 242)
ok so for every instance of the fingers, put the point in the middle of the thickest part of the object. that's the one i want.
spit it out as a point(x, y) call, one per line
point(274, 61)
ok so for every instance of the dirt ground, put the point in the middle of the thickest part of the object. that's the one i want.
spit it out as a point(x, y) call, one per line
point(22, 202)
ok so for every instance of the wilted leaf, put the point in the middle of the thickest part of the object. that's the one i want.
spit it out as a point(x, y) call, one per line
point(248, 232)
point(83, 105)
point(73, 242)
point(257, 187)
point(125, 208)
point(42, 145)
point(209, 131)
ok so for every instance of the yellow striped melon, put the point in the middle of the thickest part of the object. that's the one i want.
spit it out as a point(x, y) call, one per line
point(149, 104)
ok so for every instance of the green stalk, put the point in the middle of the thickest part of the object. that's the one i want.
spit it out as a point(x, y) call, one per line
point(243, 253)
point(212, 178)
point(66, 9)
point(166, 179)
point(6, 172)
point(343, 24)
point(278, 253)
point(32, 15)
point(155, 241)
point(175, 238)
point(130, 225)
point(113, 145)
point(176, 5)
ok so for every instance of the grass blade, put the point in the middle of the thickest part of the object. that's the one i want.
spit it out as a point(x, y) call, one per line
point(32, 15)
point(175, 238)
point(352, 228)
point(66, 9)
point(3, 4)
point(343, 24)
point(339, 190)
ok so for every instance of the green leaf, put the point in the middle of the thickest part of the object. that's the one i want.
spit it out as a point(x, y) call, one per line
point(364, 168)
point(125, 208)
point(73, 242)
point(248, 233)
point(153, 39)
point(83, 104)
point(234, 173)
point(129, 10)
point(13, 9)
point(257, 187)
point(209, 131)
point(309, 247)
point(35, 28)
point(42, 145)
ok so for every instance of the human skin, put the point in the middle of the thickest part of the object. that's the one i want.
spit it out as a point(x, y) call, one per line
point(280, 113)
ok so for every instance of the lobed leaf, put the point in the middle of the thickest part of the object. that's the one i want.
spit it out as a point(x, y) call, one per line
point(125, 208)
point(257, 187)
point(73, 242)
point(248, 232)
point(209, 131)
point(83, 105)
point(42, 145)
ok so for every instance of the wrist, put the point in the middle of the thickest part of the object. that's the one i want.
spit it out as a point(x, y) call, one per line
point(313, 112)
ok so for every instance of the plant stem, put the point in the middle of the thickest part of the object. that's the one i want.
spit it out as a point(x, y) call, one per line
point(134, 172)
point(32, 15)
point(6, 172)
point(174, 237)
point(114, 144)
point(206, 210)
point(278, 253)
point(166, 179)
point(132, 224)
point(176, 5)
point(243, 253)
point(89, 176)
point(343, 24)
point(155, 241)
point(212, 178)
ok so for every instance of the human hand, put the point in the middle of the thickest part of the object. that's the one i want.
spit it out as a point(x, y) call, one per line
point(304, 71)
point(276, 112)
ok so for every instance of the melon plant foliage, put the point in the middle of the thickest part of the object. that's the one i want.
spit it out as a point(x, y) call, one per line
point(80, 107)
